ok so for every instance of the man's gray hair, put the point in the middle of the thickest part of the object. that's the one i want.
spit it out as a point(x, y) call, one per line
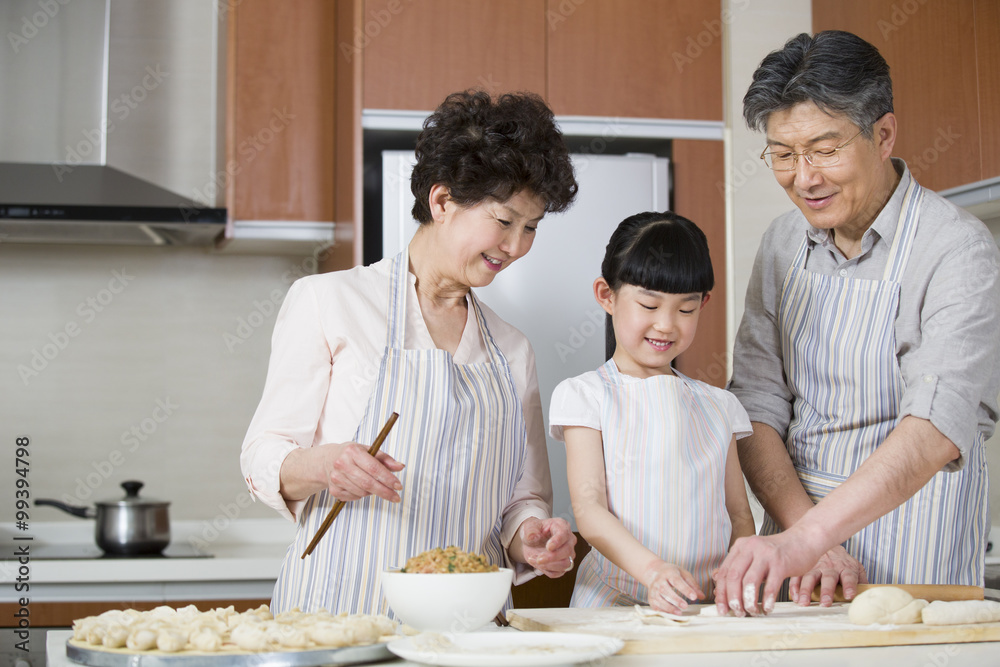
point(838, 71)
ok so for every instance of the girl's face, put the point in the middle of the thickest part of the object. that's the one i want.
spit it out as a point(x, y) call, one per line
point(651, 328)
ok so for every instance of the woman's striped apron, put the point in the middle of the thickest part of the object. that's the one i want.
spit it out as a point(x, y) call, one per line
point(461, 435)
point(841, 365)
point(665, 444)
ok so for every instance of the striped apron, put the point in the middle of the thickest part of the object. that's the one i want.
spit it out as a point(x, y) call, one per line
point(841, 364)
point(665, 444)
point(462, 437)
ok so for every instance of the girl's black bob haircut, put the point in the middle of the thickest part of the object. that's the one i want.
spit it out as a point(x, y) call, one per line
point(662, 252)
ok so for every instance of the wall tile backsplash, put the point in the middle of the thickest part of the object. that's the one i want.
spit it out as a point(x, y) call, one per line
point(134, 363)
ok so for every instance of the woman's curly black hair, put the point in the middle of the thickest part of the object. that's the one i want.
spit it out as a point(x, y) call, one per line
point(482, 148)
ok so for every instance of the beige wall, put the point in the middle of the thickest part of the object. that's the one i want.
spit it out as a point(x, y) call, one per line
point(134, 363)
point(754, 198)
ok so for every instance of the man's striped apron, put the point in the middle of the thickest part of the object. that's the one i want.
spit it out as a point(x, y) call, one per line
point(841, 364)
point(462, 437)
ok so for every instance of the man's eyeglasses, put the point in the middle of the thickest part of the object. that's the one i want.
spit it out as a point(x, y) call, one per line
point(817, 157)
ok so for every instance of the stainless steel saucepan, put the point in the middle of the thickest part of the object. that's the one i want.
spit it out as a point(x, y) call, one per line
point(129, 526)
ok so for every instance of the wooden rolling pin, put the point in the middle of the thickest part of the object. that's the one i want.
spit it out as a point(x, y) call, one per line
point(929, 592)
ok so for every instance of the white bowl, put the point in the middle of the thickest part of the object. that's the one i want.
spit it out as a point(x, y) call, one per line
point(446, 602)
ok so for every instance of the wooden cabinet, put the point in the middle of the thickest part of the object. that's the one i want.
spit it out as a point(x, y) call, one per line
point(635, 58)
point(631, 58)
point(417, 52)
point(293, 112)
point(699, 195)
point(987, 18)
point(943, 58)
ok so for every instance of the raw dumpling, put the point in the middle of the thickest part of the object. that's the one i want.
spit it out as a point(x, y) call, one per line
point(171, 640)
point(95, 633)
point(331, 634)
point(206, 639)
point(82, 626)
point(262, 612)
point(141, 639)
point(288, 636)
point(115, 636)
point(249, 636)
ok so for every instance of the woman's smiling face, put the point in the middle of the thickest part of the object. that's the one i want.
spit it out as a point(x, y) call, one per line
point(486, 238)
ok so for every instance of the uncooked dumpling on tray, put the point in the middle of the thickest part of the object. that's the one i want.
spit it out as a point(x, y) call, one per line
point(170, 630)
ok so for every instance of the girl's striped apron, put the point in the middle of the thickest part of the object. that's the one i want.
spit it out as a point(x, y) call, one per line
point(665, 444)
point(841, 364)
point(461, 435)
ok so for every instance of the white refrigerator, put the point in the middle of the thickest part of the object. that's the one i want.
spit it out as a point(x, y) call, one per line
point(548, 294)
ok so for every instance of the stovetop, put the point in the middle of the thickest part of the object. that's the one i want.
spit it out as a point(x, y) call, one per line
point(93, 552)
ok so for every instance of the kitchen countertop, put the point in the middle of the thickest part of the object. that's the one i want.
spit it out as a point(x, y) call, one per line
point(245, 558)
point(938, 655)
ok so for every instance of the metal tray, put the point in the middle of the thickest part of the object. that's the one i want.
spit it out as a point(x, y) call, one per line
point(348, 655)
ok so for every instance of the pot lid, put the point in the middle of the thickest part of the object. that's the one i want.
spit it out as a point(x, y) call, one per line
point(132, 498)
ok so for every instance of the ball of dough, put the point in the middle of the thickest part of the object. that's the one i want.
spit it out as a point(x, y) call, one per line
point(885, 605)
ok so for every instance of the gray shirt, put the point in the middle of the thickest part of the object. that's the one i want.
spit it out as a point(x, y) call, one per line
point(947, 328)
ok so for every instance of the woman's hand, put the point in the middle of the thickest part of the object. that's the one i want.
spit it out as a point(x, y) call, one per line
point(668, 587)
point(352, 473)
point(547, 545)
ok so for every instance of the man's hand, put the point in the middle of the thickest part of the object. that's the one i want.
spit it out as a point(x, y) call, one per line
point(547, 545)
point(761, 560)
point(835, 566)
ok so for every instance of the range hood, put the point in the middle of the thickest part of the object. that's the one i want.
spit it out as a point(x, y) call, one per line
point(119, 123)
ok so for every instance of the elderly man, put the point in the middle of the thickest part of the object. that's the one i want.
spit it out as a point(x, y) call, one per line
point(868, 357)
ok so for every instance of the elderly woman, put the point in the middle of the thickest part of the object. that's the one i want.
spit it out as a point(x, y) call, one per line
point(466, 463)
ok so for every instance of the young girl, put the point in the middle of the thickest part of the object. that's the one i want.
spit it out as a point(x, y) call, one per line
point(654, 477)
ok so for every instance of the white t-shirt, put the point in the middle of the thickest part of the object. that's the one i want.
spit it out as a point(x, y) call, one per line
point(579, 401)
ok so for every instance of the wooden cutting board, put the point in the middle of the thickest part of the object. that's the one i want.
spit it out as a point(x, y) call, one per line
point(788, 627)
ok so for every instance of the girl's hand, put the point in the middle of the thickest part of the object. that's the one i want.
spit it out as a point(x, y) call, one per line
point(669, 585)
point(352, 473)
point(548, 546)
